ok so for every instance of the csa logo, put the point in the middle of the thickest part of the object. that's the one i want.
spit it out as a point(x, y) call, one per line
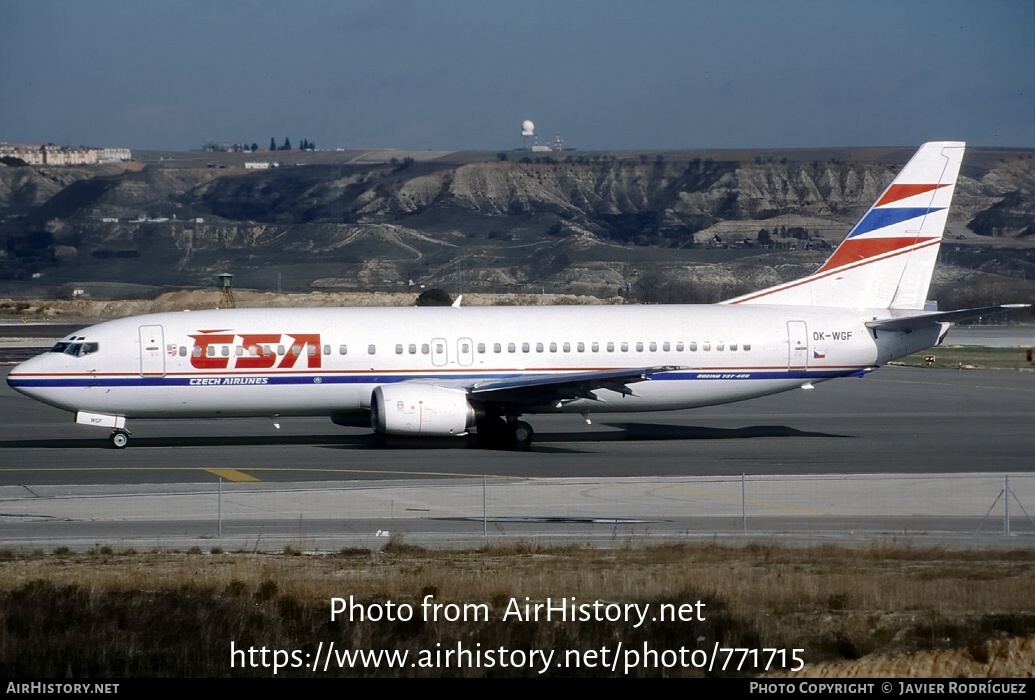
point(259, 350)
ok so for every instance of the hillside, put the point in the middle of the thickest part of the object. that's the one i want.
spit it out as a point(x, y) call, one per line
point(656, 226)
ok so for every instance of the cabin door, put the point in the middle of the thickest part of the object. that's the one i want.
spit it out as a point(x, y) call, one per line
point(439, 352)
point(465, 351)
point(797, 345)
point(152, 351)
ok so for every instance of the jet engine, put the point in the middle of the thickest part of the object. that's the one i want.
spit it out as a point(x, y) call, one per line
point(420, 409)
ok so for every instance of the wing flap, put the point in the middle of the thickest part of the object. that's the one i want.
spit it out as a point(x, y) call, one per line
point(540, 389)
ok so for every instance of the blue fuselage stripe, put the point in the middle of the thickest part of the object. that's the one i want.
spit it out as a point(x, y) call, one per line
point(374, 378)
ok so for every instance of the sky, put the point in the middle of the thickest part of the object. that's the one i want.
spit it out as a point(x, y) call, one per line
point(464, 74)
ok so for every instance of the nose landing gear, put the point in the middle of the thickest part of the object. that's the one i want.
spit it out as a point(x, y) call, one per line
point(119, 438)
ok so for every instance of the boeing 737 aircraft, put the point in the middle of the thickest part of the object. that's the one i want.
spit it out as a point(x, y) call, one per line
point(445, 371)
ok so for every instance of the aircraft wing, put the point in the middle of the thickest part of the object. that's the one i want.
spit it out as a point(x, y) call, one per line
point(542, 389)
point(906, 324)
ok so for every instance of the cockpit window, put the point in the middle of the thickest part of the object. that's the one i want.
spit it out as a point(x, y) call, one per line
point(75, 349)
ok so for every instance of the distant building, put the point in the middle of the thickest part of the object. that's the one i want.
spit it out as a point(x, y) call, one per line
point(122, 155)
point(30, 154)
point(66, 155)
point(51, 154)
point(225, 147)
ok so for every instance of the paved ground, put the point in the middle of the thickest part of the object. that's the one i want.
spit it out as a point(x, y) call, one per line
point(907, 454)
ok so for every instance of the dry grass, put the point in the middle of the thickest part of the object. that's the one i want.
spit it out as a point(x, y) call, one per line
point(969, 357)
point(111, 613)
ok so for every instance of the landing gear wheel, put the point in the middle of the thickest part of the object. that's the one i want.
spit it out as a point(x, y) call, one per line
point(119, 439)
point(492, 434)
point(522, 433)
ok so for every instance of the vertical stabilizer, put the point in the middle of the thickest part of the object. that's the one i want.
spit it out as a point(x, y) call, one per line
point(886, 261)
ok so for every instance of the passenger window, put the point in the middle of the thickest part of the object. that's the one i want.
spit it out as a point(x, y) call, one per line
point(481, 348)
point(653, 347)
point(511, 347)
point(343, 349)
point(567, 347)
point(666, 347)
point(311, 350)
point(371, 349)
point(625, 347)
point(412, 349)
point(733, 347)
point(525, 347)
point(581, 347)
point(326, 349)
point(706, 346)
point(747, 346)
point(719, 346)
point(183, 350)
point(639, 347)
point(238, 351)
point(296, 349)
point(497, 348)
point(610, 347)
point(693, 346)
point(538, 347)
point(210, 351)
point(596, 347)
point(398, 349)
point(280, 349)
point(196, 352)
point(465, 348)
point(225, 352)
point(425, 349)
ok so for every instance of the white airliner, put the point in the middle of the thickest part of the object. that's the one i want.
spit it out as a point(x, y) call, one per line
point(443, 371)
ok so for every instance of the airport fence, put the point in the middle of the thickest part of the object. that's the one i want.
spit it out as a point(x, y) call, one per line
point(467, 509)
point(857, 505)
point(992, 509)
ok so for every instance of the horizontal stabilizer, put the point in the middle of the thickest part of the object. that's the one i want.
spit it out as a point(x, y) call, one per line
point(906, 324)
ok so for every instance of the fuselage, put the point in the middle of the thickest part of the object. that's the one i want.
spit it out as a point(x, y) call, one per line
point(327, 361)
point(442, 371)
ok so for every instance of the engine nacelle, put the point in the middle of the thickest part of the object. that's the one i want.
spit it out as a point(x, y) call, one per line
point(420, 409)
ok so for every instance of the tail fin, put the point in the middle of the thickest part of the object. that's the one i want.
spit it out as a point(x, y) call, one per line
point(886, 261)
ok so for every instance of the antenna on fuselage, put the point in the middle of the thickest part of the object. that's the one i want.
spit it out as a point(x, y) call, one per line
point(226, 291)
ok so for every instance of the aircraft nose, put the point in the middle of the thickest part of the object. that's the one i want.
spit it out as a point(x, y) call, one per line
point(20, 376)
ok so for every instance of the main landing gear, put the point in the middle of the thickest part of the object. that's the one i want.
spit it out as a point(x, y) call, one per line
point(498, 434)
point(521, 435)
point(119, 438)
